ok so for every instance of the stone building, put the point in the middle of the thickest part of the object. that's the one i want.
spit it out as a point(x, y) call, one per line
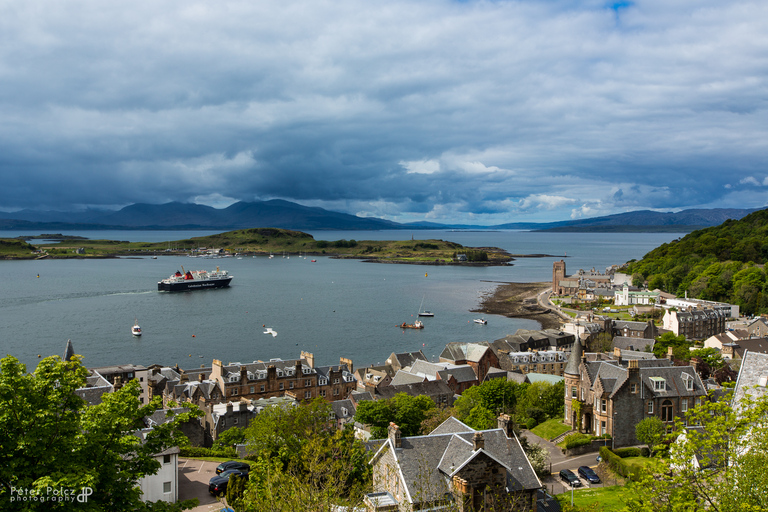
point(695, 324)
point(613, 396)
point(558, 274)
point(479, 356)
point(452, 465)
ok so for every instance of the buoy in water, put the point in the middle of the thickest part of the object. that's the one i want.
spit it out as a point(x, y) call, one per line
point(193, 335)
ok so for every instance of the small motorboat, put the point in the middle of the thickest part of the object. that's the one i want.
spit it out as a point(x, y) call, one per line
point(136, 330)
point(426, 313)
point(481, 321)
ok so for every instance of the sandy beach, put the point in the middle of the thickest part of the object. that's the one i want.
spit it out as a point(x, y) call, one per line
point(518, 300)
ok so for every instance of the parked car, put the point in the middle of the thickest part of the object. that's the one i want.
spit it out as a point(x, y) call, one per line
point(567, 476)
point(218, 484)
point(588, 474)
point(232, 464)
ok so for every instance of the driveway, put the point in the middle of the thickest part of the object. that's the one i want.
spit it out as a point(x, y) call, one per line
point(559, 461)
point(194, 476)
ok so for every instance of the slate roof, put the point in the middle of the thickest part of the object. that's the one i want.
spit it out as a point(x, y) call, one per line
point(429, 388)
point(754, 366)
point(543, 377)
point(632, 326)
point(630, 343)
point(426, 462)
point(343, 409)
point(404, 359)
point(404, 377)
point(458, 351)
point(752, 345)
point(572, 368)
point(613, 375)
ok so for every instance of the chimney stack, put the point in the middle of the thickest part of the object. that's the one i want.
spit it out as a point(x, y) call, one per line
point(478, 443)
point(671, 353)
point(393, 432)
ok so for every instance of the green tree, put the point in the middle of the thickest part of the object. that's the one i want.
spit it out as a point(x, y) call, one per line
point(50, 438)
point(281, 431)
point(229, 438)
point(680, 346)
point(407, 411)
point(650, 431)
point(480, 418)
point(730, 444)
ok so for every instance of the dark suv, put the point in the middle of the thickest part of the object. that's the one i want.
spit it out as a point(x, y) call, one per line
point(588, 474)
point(218, 484)
point(567, 476)
point(232, 464)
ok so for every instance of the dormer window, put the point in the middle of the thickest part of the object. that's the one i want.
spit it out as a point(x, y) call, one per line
point(659, 383)
point(688, 379)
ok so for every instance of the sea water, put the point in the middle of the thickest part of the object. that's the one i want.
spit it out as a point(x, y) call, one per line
point(332, 308)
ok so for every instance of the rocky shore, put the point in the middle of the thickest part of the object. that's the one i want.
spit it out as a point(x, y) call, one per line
point(518, 300)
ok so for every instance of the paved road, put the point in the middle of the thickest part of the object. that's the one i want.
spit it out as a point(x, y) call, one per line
point(559, 461)
point(194, 476)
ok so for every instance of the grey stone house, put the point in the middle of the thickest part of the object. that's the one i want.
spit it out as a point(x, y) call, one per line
point(477, 470)
point(613, 396)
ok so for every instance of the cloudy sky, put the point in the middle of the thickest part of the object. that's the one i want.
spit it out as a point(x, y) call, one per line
point(449, 111)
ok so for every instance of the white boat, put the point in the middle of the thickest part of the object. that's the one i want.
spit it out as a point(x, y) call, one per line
point(136, 330)
point(424, 313)
point(481, 321)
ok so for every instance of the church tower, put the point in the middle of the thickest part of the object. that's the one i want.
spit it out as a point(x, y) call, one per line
point(558, 273)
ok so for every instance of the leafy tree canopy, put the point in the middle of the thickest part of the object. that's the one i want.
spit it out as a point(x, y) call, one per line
point(722, 263)
point(50, 437)
point(717, 466)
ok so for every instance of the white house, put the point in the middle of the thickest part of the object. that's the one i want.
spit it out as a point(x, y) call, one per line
point(624, 297)
point(163, 485)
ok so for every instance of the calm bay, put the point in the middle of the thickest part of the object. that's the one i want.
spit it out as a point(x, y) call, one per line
point(330, 307)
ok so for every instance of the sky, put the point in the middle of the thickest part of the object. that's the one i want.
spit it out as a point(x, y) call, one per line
point(480, 112)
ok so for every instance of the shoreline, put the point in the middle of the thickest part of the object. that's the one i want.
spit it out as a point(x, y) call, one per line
point(519, 300)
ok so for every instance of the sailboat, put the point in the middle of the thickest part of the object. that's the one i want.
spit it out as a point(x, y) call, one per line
point(136, 330)
point(422, 312)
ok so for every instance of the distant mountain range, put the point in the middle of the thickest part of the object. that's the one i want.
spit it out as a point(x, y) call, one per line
point(277, 213)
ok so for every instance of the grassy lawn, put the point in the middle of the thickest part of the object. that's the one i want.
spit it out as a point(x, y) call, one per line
point(609, 499)
point(550, 428)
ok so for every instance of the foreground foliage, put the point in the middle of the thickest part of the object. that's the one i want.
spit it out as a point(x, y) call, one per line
point(301, 461)
point(718, 466)
point(51, 440)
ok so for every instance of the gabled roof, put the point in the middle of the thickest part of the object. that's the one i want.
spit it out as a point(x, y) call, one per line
point(452, 426)
point(427, 462)
point(754, 368)
point(460, 351)
point(630, 343)
point(403, 377)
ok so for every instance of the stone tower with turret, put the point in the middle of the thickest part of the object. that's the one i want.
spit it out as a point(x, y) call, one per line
point(572, 377)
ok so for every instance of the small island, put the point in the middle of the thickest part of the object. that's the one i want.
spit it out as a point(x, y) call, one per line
point(260, 241)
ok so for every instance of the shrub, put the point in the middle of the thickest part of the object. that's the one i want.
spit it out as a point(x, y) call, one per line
point(618, 465)
point(193, 451)
point(576, 439)
point(628, 452)
point(531, 423)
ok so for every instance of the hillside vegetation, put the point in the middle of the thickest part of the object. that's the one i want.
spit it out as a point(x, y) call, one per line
point(721, 263)
point(259, 241)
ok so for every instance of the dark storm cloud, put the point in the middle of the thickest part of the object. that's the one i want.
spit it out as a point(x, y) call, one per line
point(448, 111)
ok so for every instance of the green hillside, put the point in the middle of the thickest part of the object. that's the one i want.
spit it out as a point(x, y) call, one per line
point(722, 263)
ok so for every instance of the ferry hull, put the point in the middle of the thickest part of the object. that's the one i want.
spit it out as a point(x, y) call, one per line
point(193, 285)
